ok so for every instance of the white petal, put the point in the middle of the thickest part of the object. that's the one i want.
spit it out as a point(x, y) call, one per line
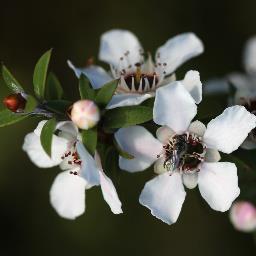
point(96, 74)
point(228, 131)
point(89, 169)
point(164, 133)
point(212, 155)
point(197, 128)
point(159, 166)
point(218, 184)
point(69, 129)
point(32, 146)
point(67, 195)
point(178, 50)
point(174, 107)
point(122, 100)
point(164, 196)
point(190, 180)
point(250, 55)
point(39, 127)
point(141, 144)
point(193, 84)
point(114, 44)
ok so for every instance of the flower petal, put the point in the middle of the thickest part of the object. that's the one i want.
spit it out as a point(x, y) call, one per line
point(141, 144)
point(164, 133)
point(178, 50)
point(120, 48)
point(67, 195)
point(32, 146)
point(197, 128)
point(212, 155)
point(193, 84)
point(250, 55)
point(174, 107)
point(96, 74)
point(89, 169)
point(190, 180)
point(228, 131)
point(159, 166)
point(164, 196)
point(218, 184)
point(122, 100)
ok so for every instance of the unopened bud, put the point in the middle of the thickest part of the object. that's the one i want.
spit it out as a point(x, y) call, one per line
point(243, 216)
point(15, 102)
point(85, 114)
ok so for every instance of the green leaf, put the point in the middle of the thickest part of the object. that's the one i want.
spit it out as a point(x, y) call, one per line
point(54, 89)
point(85, 88)
point(7, 117)
point(10, 81)
point(40, 73)
point(31, 104)
point(121, 152)
point(127, 116)
point(47, 134)
point(106, 93)
point(58, 106)
point(89, 138)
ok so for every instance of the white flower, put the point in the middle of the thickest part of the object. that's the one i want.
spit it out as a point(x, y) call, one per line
point(185, 153)
point(243, 216)
point(139, 79)
point(80, 170)
point(245, 85)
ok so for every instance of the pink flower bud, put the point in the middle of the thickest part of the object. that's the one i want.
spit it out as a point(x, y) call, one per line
point(15, 102)
point(243, 216)
point(85, 114)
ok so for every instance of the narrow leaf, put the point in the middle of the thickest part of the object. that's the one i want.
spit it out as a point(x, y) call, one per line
point(31, 104)
point(7, 117)
point(47, 134)
point(127, 116)
point(40, 73)
point(89, 138)
point(106, 93)
point(54, 89)
point(85, 88)
point(10, 81)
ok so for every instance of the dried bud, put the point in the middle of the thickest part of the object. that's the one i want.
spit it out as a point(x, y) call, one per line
point(85, 114)
point(243, 216)
point(15, 102)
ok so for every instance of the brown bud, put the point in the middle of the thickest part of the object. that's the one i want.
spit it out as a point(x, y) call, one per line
point(15, 102)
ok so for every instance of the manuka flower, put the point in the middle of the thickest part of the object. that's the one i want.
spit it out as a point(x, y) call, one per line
point(139, 78)
point(185, 153)
point(80, 170)
point(245, 85)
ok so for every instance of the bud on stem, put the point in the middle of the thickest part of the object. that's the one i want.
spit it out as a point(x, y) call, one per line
point(15, 102)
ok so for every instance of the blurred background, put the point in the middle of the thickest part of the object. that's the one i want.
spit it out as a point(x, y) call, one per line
point(28, 223)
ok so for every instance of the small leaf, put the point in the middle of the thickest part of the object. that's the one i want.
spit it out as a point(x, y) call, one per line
point(121, 152)
point(7, 117)
point(127, 116)
point(54, 89)
point(31, 104)
point(85, 88)
point(47, 134)
point(106, 93)
point(58, 106)
point(89, 138)
point(40, 73)
point(10, 81)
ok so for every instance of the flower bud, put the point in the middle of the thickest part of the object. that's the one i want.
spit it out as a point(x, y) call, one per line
point(85, 114)
point(15, 102)
point(243, 216)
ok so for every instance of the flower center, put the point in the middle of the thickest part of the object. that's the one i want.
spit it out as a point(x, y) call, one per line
point(184, 153)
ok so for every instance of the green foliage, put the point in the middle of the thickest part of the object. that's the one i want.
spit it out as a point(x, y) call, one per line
point(47, 135)
point(127, 116)
point(53, 89)
point(10, 81)
point(40, 74)
point(7, 117)
point(58, 106)
point(106, 93)
point(85, 88)
point(31, 104)
point(89, 138)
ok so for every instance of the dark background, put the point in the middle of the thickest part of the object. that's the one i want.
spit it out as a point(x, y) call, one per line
point(28, 224)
